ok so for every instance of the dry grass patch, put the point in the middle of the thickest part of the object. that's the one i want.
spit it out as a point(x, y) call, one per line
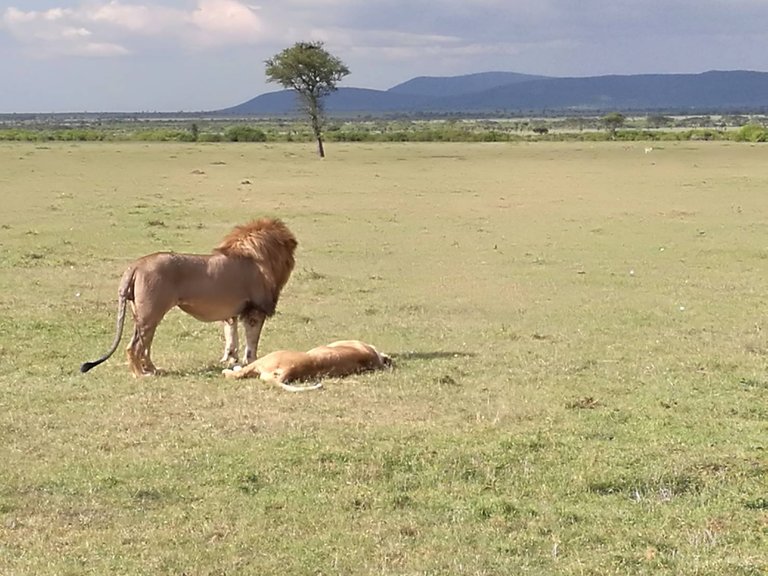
point(579, 382)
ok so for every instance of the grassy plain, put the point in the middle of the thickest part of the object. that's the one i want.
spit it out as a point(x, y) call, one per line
point(580, 343)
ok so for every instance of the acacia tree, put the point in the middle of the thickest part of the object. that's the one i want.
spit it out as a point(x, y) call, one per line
point(613, 122)
point(312, 72)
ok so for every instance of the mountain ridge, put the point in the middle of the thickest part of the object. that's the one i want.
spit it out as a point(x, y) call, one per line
point(513, 93)
point(438, 86)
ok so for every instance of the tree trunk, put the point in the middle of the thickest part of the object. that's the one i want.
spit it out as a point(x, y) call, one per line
point(317, 125)
point(317, 129)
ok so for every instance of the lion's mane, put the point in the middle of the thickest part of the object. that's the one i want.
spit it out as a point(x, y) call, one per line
point(268, 242)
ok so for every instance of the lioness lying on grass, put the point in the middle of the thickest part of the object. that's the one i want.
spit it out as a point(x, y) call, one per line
point(340, 358)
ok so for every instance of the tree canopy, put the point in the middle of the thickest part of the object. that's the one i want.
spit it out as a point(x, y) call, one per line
point(613, 121)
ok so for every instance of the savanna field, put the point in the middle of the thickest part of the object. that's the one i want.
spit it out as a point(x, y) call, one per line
point(580, 342)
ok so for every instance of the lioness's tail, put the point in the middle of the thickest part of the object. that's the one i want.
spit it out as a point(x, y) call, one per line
point(125, 293)
point(292, 388)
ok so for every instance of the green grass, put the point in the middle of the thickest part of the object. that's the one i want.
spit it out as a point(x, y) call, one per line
point(580, 347)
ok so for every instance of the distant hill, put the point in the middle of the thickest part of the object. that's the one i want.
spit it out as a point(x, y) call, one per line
point(508, 92)
point(440, 86)
point(344, 100)
point(708, 91)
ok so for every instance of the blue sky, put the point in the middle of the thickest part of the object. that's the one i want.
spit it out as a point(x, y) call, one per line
point(192, 55)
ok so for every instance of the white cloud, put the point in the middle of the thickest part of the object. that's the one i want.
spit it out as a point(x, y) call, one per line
point(226, 21)
point(135, 18)
point(55, 31)
point(116, 28)
point(98, 49)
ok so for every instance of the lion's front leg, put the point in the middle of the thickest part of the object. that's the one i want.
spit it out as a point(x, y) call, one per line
point(253, 323)
point(231, 345)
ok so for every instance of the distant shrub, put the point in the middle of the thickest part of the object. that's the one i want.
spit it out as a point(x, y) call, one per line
point(396, 136)
point(659, 121)
point(668, 135)
point(210, 137)
point(752, 133)
point(350, 136)
point(244, 134)
point(704, 135)
point(635, 135)
point(19, 135)
point(78, 135)
point(491, 136)
point(592, 136)
point(160, 135)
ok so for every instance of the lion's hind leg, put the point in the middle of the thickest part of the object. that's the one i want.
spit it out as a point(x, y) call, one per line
point(135, 354)
point(139, 351)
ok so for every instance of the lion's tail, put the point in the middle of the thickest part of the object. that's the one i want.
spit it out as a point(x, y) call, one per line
point(125, 293)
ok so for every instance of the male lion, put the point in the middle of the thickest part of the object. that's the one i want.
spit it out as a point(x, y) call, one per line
point(333, 360)
point(242, 278)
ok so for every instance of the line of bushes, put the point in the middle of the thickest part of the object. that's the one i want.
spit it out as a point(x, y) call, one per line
point(240, 133)
point(429, 133)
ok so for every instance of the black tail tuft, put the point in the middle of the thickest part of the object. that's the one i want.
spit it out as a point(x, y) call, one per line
point(85, 366)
